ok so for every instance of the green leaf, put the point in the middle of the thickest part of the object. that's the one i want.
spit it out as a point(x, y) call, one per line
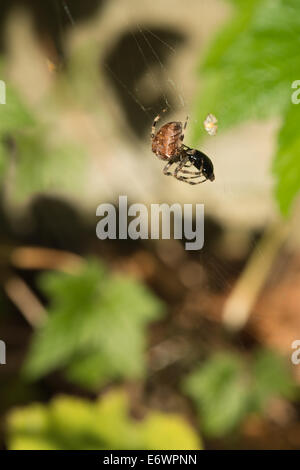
point(42, 166)
point(71, 423)
point(272, 378)
point(250, 67)
point(248, 73)
point(229, 34)
point(286, 164)
point(220, 391)
point(96, 326)
point(169, 432)
point(14, 115)
point(226, 389)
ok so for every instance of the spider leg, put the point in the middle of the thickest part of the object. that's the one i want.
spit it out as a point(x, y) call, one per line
point(179, 169)
point(187, 172)
point(188, 164)
point(166, 169)
point(155, 121)
point(160, 157)
point(180, 165)
point(184, 128)
point(192, 177)
point(168, 166)
point(196, 173)
point(187, 180)
point(190, 151)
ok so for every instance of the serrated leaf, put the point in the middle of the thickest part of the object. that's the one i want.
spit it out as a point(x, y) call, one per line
point(249, 69)
point(95, 327)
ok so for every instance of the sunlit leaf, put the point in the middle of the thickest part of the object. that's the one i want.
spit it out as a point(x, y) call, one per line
point(169, 432)
point(73, 423)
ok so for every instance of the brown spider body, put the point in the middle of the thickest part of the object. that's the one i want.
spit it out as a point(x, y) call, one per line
point(167, 141)
point(191, 166)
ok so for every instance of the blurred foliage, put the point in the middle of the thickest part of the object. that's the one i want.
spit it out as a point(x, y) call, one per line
point(248, 73)
point(286, 164)
point(96, 326)
point(39, 162)
point(73, 423)
point(226, 389)
point(14, 115)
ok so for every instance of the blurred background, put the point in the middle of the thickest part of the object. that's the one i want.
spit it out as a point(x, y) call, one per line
point(122, 344)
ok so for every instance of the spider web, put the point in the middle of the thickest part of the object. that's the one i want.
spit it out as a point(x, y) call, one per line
point(162, 82)
point(165, 85)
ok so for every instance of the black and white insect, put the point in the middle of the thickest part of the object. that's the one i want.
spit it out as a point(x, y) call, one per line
point(191, 166)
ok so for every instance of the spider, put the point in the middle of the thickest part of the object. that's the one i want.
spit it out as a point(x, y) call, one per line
point(167, 144)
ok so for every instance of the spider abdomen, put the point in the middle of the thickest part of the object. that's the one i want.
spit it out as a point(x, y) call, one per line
point(167, 141)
